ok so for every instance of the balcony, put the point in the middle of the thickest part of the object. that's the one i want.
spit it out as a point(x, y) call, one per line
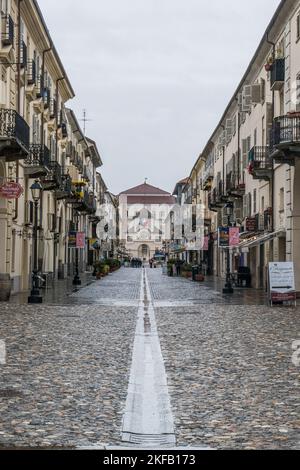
point(14, 135)
point(53, 179)
point(260, 163)
point(7, 55)
point(277, 74)
point(86, 202)
point(285, 139)
point(234, 188)
point(31, 73)
point(65, 189)
point(208, 179)
point(37, 162)
point(215, 200)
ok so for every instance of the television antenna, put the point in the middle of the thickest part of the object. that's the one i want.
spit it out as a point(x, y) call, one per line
point(85, 120)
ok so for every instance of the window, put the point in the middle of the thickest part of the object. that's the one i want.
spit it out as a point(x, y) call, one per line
point(254, 201)
point(298, 92)
point(281, 200)
point(298, 26)
point(255, 137)
point(262, 204)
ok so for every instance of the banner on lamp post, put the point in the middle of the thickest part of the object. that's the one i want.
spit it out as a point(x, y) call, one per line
point(80, 240)
point(234, 236)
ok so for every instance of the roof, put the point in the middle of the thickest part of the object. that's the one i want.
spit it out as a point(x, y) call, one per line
point(144, 199)
point(182, 182)
point(145, 190)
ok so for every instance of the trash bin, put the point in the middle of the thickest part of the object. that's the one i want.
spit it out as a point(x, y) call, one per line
point(195, 271)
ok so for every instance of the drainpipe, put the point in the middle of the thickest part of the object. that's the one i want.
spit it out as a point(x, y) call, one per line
point(223, 161)
point(56, 98)
point(42, 82)
point(272, 189)
point(19, 95)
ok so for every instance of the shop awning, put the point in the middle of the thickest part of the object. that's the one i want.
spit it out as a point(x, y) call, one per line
point(262, 238)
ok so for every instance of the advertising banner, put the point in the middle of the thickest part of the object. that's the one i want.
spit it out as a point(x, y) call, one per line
point(282, 282)
point(234, 236)
point(72, 240)
point(80, 240)
point(223, 237)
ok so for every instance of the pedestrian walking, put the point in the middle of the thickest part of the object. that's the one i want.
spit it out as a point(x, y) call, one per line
point(178, 267)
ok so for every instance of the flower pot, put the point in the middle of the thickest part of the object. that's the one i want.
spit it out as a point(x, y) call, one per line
point(200, 278)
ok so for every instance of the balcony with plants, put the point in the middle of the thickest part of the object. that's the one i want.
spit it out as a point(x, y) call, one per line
point(260, 163)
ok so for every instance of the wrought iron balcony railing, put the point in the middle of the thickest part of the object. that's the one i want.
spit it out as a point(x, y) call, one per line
point(31, 73)
point(53, 179)
point(8, 32)
point(39, 155)
point(286, 131)
point(23, 61)
point(260, 163)
point(14, 133)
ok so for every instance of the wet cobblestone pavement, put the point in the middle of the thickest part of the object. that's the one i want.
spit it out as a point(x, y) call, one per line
point(65, 381)
point(231, 379)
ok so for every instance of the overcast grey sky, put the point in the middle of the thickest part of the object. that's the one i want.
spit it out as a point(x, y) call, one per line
point(154, 76)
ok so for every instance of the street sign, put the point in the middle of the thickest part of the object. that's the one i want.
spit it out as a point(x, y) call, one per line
point(282, 282)
point(11, 190)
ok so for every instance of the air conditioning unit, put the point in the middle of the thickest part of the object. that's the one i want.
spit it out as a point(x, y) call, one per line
point(29, 210)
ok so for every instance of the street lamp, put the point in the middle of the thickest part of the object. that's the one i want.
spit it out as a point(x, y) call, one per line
point(35, 297)
point(228, 289)
point(76, 280)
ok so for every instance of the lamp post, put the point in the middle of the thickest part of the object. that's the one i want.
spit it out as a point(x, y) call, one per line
point(228, 289)
point(76, 280)
point(35, 297)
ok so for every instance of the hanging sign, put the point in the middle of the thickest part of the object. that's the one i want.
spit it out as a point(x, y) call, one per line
point(11, 190)
point(80, 240)
point(282, 282)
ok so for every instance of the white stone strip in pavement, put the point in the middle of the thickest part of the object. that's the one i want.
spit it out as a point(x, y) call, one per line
point(147, 420)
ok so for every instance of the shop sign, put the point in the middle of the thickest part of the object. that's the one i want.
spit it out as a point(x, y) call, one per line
point(282, 282)
point(11, 190)
point(251, 224)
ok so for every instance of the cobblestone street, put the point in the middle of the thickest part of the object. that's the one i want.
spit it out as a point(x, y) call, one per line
point(230, 377)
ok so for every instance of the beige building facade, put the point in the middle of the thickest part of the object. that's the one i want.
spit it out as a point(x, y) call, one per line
point(252, 158)
point(40, 139)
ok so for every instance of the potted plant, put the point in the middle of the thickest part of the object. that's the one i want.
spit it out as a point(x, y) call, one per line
point(186, 270)
point(269, 64)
